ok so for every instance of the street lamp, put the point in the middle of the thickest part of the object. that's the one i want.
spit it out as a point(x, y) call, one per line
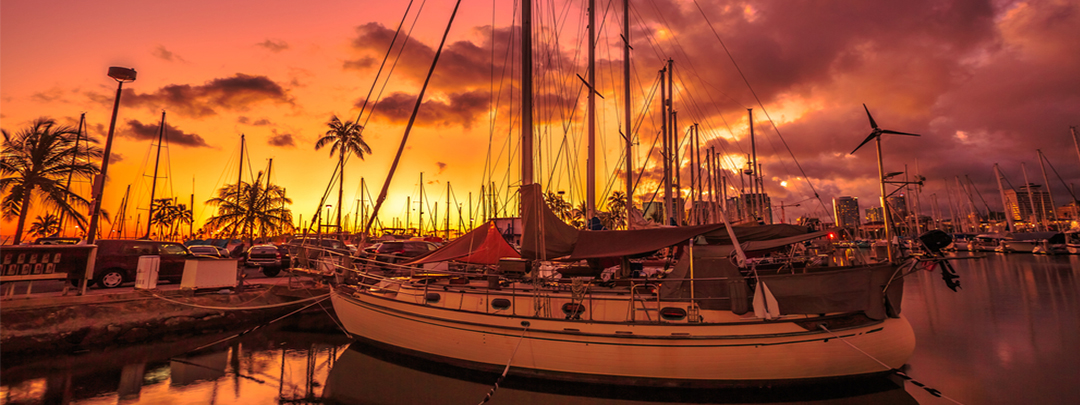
point(121, 75)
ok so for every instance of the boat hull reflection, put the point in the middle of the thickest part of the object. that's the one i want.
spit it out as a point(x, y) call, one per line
point(369, 374)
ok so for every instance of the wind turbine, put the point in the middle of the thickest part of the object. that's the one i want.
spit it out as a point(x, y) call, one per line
point(876, 135)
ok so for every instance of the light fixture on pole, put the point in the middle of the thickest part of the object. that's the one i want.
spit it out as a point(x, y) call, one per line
point(121, 75)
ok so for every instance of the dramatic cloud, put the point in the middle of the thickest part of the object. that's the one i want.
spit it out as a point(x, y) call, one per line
point(173, 135)
point(161, 53)
point(236, 93)
point(274, 45)
point(459, 109)
point(282, 140)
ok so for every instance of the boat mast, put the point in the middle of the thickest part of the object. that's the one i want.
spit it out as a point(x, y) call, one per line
point(1004, 204)
point(1053, 209)
point(626, 113)
point(753, 168)
point(420, 219)
point(590, 159)
point(884, 204)
point(666, 154)
point(1076, 140)
point(74, 159)
point(153, 183)
point(526, 94)
point(1031, 197)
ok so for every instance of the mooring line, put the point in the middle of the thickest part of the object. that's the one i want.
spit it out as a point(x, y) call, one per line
point(284, 304)
point(261, 325)
point(511, 360)
point(925, 387)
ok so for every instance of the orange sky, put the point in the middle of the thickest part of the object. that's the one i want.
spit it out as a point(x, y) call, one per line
point(983, 82)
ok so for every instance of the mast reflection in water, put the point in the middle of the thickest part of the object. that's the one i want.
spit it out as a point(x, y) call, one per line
point(1010, 335)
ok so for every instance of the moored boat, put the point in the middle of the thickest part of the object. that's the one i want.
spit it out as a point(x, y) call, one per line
point(712, 320)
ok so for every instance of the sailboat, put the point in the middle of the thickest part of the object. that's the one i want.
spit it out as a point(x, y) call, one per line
point(754, 305)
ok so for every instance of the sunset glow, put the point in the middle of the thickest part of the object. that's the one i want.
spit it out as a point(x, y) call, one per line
point(982, 82)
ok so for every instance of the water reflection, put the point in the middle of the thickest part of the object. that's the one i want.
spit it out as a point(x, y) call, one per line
point(367, 375)
point(1010, 335)
point(276, 365)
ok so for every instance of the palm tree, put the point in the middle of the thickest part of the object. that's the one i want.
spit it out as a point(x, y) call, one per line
point(47, 225)
point(344, 138)
point(616, 210)
point(36, 163)
point(558, 205)
point(254, 208)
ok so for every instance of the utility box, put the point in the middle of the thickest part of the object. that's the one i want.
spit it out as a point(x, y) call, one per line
point(147, 273)
point(209, 272)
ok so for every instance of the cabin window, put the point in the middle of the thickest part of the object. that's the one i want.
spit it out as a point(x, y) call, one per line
point(432, 298)
point(573, 310)
point(673, 313)
point(500, 303)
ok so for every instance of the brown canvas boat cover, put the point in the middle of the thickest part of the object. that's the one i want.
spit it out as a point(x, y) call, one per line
point(597, 244)
point(544, 236)
point(483, 245)
point(753, 245)
point(747, 233)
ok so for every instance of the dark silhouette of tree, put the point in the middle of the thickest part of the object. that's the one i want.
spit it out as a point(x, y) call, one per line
point(344, 138)
point(255, 209)
point(35, 167)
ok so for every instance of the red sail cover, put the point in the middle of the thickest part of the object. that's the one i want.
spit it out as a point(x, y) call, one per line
point(483, 245)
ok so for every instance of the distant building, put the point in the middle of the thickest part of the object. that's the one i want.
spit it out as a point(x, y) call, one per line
point(874, 215)
point(898, 206)
point(846, 210)
point(1029, 204)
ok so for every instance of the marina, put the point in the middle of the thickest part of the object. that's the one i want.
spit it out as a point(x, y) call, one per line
point(1007, 337)
point(543, 201)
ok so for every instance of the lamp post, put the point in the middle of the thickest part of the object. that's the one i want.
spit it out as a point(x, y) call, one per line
point(121, 75)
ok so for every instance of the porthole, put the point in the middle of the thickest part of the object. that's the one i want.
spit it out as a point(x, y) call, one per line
point(432, 297)
point(500, 303)
point(673, 313)
point(573, 310)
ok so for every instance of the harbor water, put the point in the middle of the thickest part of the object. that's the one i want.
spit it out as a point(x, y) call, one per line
point(1010, 335)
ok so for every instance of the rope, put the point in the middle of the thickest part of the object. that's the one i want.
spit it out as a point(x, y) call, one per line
point(284, 304)
point(505, 370)
point(324, 297)
point(928, 389)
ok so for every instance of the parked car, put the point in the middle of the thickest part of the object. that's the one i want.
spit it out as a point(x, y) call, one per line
point(208, 250)
point(270, 258)
point(396, 251)
point(56, 240)
point(118, 260)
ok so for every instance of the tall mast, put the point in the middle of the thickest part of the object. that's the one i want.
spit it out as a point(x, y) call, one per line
point(74, 159)
point(526, 94)
point(626, 113)
point(448, 210)
point(590, 159)
point(1053, 209)
point(1076, 140)
point(666, 155)
point(240, 178)
point(1031, 197)
point(420, 219)
point(673, 146)
point(884, 204)
point(1004, 204)
point(753, 167)
point(269, 169)
point(676, 163)
point(153, 183)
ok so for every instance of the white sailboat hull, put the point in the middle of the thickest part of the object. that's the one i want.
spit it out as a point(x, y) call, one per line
point(734, 351)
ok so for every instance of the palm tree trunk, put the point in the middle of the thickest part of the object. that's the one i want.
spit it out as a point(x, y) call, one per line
point(23, 212)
